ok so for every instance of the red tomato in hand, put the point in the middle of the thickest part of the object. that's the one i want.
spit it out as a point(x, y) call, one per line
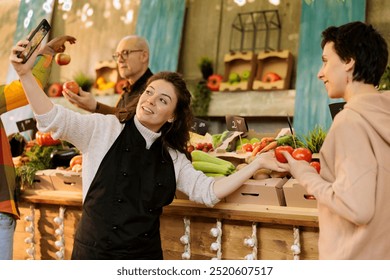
point(45, 139)
point(278, 152)
point(72, 86)
point(302, 154)
point(316, 165)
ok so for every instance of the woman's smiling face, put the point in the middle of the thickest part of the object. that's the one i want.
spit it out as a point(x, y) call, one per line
point(333, 72)
point(157, 105)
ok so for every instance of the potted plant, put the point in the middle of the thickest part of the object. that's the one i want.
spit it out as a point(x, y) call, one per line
point(83, 81)
point(206, 67)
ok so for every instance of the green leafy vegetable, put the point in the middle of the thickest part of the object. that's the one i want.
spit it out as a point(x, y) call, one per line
point(315, 139)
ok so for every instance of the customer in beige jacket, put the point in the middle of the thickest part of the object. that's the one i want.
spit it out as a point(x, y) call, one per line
point(353, 189)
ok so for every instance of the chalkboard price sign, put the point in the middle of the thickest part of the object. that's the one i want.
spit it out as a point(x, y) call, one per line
point(200, 126)
point(335, 108)
point(234, 123)
point(28, 124)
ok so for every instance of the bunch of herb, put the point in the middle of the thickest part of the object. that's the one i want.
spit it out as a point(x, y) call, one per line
point(315, 138)
point(39, 159)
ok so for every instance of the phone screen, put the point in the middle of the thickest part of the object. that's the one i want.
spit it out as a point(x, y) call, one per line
point(35, 39)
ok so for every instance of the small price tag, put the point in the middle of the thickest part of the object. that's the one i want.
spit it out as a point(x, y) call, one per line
point(200, 126)
point(234, 123)
point(336, 108)
point(27, 124)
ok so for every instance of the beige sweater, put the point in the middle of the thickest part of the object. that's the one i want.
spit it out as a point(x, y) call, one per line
point(353, 192)
point(94, 134)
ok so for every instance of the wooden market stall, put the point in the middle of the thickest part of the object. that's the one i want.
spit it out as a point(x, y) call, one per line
point(188, 230)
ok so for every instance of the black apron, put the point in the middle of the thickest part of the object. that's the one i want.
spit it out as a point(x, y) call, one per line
point(121, 212)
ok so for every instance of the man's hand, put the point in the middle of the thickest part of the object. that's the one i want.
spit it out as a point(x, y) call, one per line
point(57, 45)
point(84, 100)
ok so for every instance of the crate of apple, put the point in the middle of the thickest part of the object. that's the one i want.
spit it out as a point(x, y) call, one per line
point(205, 147)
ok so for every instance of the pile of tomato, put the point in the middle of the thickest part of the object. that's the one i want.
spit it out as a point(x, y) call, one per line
point(205, 147)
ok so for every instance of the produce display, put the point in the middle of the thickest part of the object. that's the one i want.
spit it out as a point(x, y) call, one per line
point(206, 155)
point(45, 153)
point(251, 147)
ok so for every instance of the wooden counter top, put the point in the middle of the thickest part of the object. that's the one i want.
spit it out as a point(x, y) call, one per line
point(64, 198)
point(246, 212)
point(179, 207)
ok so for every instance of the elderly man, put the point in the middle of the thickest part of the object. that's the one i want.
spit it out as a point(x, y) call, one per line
point(132, 58)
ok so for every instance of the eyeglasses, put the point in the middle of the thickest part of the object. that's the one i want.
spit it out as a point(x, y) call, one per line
point(124, 54)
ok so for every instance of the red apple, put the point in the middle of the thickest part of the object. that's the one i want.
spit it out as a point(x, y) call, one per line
point(62, 58)
point(72, 86)
point(55, 90)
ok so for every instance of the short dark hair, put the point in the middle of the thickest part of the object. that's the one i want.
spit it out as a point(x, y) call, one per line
point(361, 42)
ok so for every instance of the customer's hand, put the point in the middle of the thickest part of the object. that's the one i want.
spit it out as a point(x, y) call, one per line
point(297, 168)
point(57, 45)
point(84, 100)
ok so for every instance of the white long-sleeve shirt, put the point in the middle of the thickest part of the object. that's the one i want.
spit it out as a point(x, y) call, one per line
point(94, 134)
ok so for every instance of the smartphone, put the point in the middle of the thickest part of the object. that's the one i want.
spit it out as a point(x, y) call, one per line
point(35, 39)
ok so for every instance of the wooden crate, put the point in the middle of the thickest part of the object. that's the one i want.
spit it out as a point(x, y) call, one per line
point(238, 62)
point(279, 62)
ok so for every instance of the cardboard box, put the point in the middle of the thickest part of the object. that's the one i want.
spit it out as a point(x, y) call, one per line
point(296, 195)
point(278, 62)
point(42, 180)
point(66, 180)
point(262, 192)
point(239, 62)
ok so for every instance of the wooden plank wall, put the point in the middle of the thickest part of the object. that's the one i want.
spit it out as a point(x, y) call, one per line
point(161, 23)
